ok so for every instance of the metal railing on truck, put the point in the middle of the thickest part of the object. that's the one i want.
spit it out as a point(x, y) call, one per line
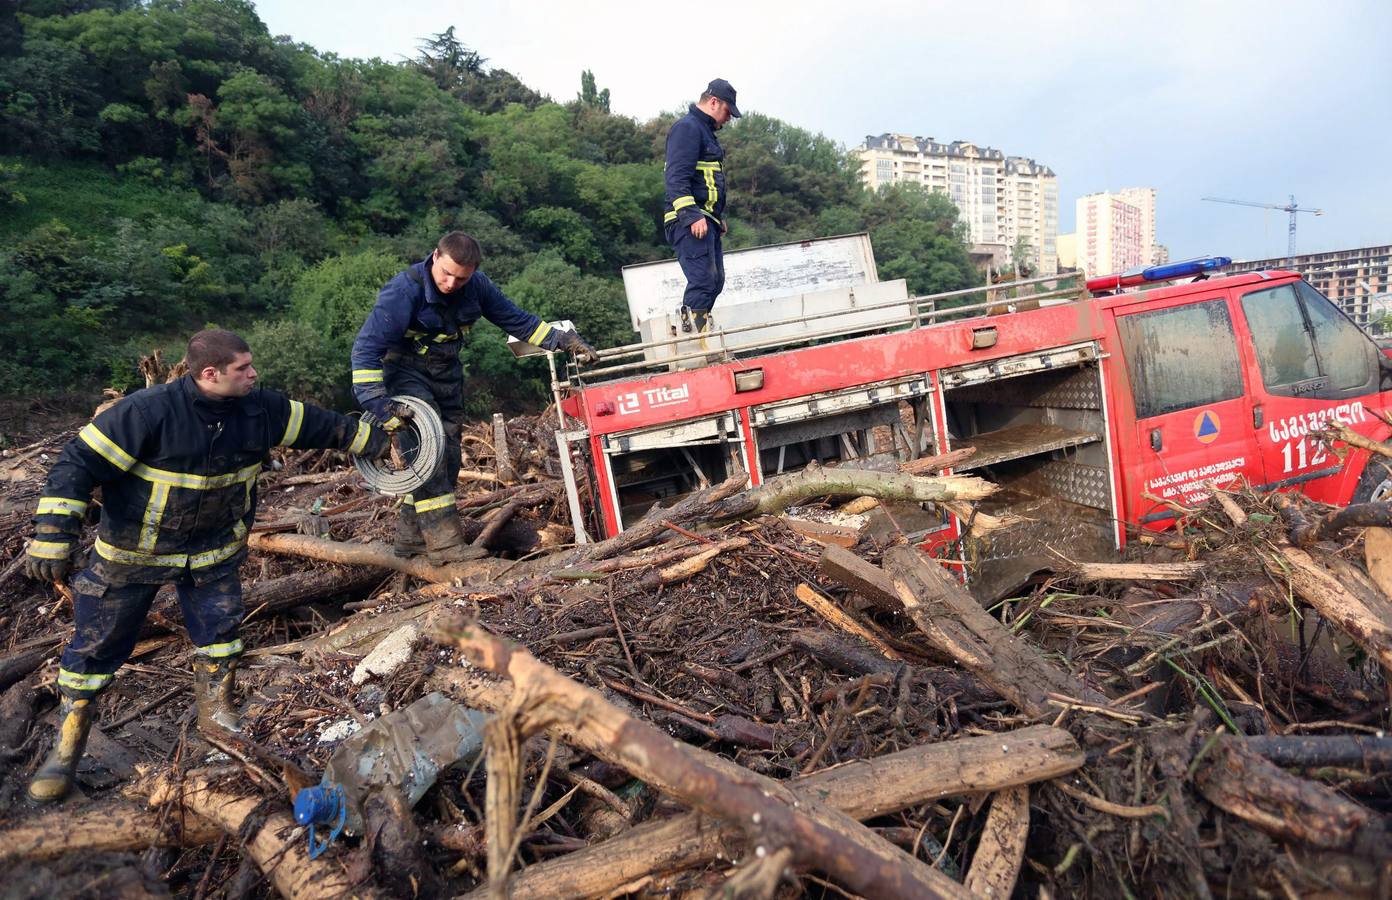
point(925, 310)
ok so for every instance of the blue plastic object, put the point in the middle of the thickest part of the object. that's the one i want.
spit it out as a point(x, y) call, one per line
point(321, 805)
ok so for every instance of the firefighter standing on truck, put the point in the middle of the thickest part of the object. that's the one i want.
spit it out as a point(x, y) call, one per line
point(177, 465)
point(410, 345)
point(695, 190)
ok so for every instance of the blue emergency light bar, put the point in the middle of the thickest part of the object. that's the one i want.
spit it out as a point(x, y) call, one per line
point(1167, 272)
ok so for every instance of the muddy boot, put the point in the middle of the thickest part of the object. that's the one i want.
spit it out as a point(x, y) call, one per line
point(214, 685)
point(408, 542)
point(444, 539)
point(55, 777)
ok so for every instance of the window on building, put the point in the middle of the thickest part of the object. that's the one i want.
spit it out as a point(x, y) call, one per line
point(1306, 347)
point(1181, 357)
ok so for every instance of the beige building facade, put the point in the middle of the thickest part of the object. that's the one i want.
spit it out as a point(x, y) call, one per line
point(1358, 280)
point(1001, 199)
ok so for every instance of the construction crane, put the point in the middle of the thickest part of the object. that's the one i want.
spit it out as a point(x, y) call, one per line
point(1292, 207)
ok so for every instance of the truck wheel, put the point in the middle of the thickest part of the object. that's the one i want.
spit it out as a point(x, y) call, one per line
point(1375, 485)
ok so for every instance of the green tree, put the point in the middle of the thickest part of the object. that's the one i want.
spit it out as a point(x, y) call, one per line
point(591, 97)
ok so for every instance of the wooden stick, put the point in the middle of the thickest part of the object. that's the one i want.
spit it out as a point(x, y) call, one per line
point(823, 838)
point(955, 623)
point(1001, 850)
point(841, 619)
point(1101, 571)
point(379, 555)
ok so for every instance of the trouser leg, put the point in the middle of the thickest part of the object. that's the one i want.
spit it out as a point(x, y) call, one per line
point(213, 615)
point(703, 265)
point(106, 624)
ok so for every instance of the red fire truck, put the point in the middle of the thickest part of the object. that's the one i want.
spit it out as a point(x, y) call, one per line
point(1098, 408)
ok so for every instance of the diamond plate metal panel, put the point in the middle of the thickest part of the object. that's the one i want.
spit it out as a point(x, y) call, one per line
point(1073, 388)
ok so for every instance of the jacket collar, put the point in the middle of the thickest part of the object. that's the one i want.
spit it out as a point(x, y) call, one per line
point(432, 293)
point(700, 115)
point(205, 404)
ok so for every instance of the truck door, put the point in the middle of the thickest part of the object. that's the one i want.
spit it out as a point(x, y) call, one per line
point(1189, 412)
point(1313, 366)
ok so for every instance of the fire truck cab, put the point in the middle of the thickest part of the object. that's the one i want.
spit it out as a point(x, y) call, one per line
point(1100, 409)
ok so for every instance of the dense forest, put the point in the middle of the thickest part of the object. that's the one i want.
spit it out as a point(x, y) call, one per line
point(171, 164)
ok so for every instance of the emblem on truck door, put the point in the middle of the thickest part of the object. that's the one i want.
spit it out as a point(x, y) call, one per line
point(1207, 426)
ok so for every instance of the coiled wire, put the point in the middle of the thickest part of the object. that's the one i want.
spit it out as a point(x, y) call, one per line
point(421, 440)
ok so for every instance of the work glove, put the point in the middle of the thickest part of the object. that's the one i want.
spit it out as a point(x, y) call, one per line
point(50, 554)
point(390, 414)
point(573, 343)
point(379, 442)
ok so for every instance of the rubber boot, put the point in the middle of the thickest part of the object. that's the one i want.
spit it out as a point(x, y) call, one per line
point(214, 687)
point(697, 320)
point(444, 539)
point(408, 542)
point(54, 778)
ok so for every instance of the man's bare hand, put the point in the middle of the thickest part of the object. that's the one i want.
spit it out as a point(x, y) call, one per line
point(698, 228)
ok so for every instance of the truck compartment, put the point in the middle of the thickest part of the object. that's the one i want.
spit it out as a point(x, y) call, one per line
point(1038, 424)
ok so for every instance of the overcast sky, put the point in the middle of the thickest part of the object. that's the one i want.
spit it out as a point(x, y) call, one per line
point(1249, 100)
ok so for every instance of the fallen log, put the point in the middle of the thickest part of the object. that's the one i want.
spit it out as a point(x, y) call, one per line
point(861, 576)
point(996, 865)
point(955, 623)
point(842, 620)
point(277, 846)
point(822, 837)
point(1359, 515)
point(379, 555)
point(863, 789)
point(927, 465)
point(1236, 780)
point(105, 828)
point(777, 494)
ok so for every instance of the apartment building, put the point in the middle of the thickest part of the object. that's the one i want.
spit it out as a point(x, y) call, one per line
point(1000, 198)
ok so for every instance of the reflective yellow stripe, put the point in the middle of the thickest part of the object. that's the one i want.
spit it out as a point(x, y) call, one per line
point(174, 560)
point(80, 682)
point(195, 482)
point(49, 549)
point(360, 441)
point(154, 512)
point(683, 202)
point(713, 165)
point(60, 506)
point(711, 192)
point(433, 503)
point(391, 424)
point(539, 335)
point(367, 376)
point(292, 428)
point(92, 436)
point(220, 651)
point(669, 217)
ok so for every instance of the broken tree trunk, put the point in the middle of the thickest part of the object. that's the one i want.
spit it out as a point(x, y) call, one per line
point(277, 846)
point(1243, 784)
point(955, 623)
point(1365, 753)
point(109, 827)
point(823, 837)
point(379, 555)
point(863, 789)
point(1001, 850)
point(777, 494)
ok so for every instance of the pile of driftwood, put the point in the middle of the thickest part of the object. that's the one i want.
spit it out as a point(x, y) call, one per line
point(715, 704)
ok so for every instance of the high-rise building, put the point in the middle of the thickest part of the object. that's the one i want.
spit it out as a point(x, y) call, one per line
point(1116, 232)
point(1001, 199)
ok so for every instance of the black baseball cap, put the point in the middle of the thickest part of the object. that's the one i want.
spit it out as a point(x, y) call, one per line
point(722, 89)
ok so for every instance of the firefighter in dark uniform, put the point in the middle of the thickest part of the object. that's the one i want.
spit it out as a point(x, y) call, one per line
point(410, 345)
point(177, 466)
point(694, 214)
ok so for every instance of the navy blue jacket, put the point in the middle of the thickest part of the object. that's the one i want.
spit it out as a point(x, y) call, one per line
point(694, 172)
point(412, 318)
point(178, 472)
